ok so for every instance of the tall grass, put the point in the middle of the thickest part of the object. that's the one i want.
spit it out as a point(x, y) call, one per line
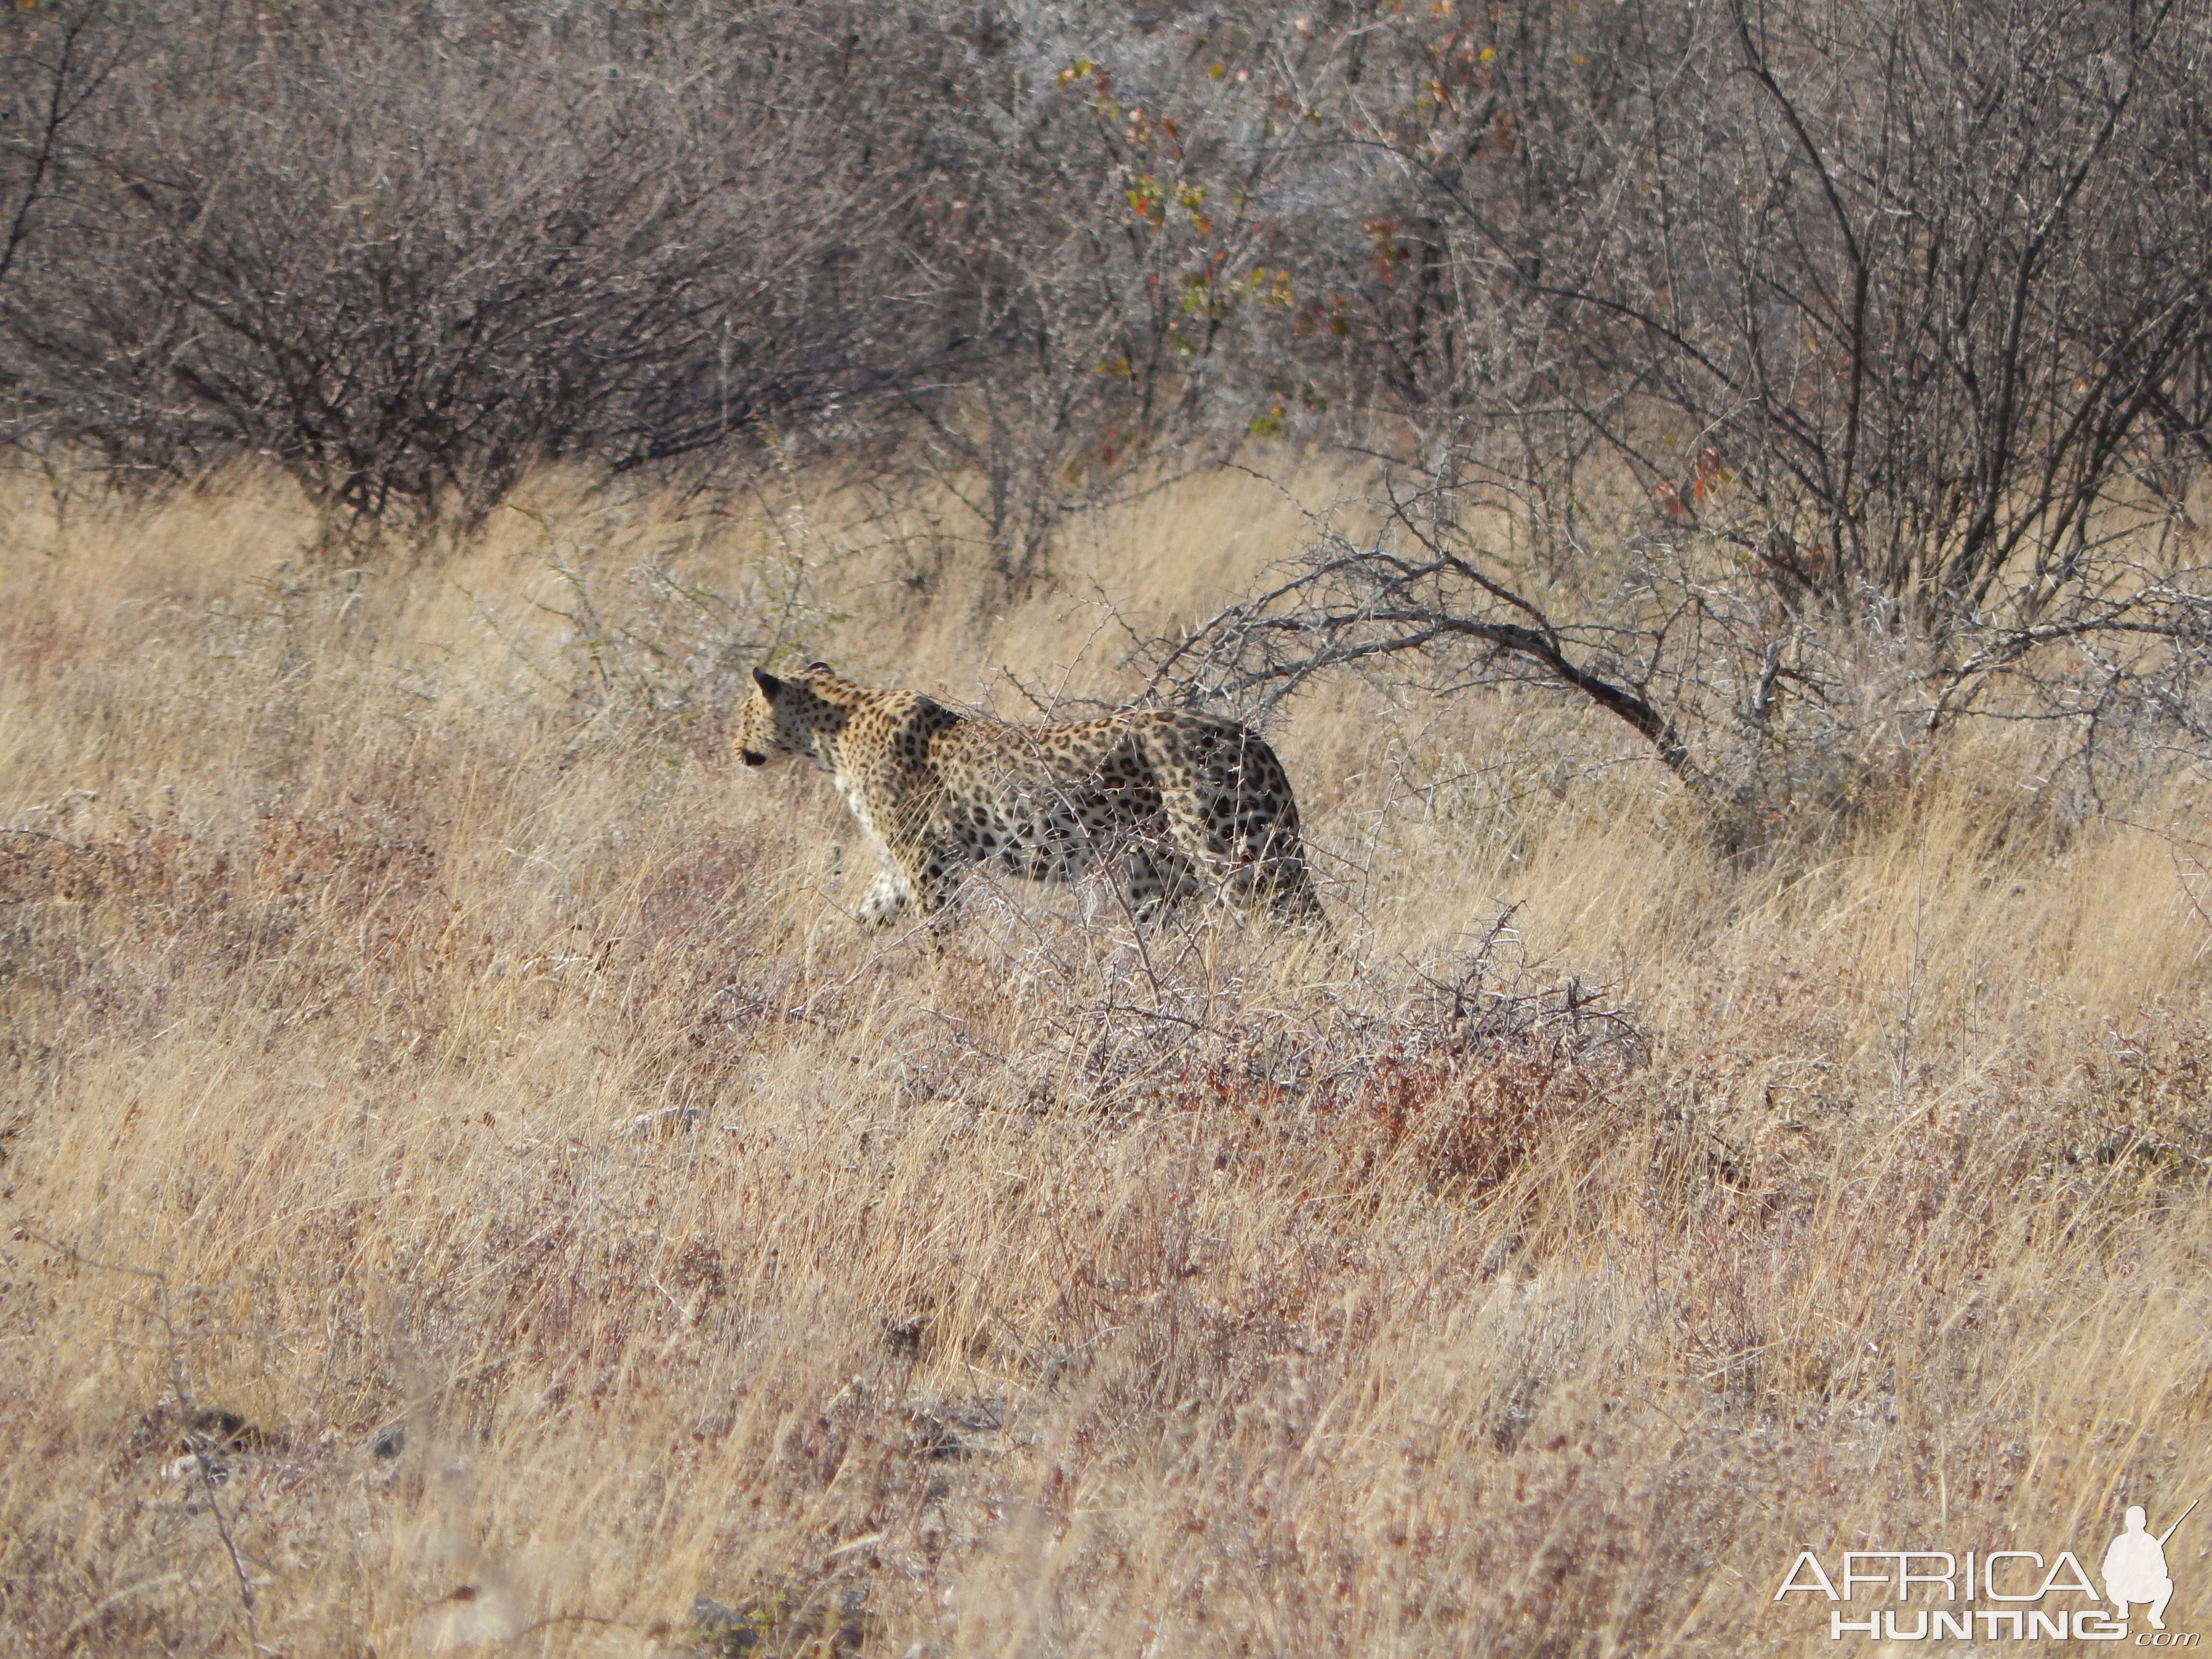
point(471, 1187)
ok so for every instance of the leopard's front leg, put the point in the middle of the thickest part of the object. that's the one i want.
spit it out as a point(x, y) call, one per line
point(930, 860)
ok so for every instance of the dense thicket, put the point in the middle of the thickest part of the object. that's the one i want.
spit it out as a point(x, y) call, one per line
point(1904, 313)
point(1886, 268)
point(405, 251)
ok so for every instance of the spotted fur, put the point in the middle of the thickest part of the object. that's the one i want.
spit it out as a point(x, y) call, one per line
point(1183, 804)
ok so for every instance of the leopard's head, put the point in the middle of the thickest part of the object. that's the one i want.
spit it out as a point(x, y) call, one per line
point(784, 717)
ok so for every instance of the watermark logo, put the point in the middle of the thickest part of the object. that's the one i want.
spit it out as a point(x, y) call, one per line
point(2135, 1567)
point(1937, 1595)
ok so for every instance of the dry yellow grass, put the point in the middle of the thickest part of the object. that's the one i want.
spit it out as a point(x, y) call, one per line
point(412, 1024)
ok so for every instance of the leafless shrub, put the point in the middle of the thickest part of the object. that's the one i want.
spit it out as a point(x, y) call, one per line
point(1456, 1070)
point(54, 70)
point(1763, 715)
point(438, 250)
point(1913, 303)
point(999, 253)
point(1118, 238)
point(1783, 382)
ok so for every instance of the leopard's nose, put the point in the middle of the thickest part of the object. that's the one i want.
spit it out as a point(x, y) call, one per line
point(752, 757)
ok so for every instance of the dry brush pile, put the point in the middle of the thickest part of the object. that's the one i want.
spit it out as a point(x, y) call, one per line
point(469, 1187)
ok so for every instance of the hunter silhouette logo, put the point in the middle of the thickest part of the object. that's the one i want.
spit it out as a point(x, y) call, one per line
point(2001, 1595)
point(2135, 1567)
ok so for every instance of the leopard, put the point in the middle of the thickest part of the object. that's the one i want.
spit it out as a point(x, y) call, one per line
point(1179, 806)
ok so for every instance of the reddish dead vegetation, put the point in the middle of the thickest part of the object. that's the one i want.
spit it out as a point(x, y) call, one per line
point(695, 988)
point(367, 850)
point(316, 908)
point(1473, 1080)
point(1465, 1121)
point(1492, 1069)
point(37, 647)
point(685, 900)
point(172, 882)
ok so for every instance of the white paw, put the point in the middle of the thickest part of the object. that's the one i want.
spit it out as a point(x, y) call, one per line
point(884, 900)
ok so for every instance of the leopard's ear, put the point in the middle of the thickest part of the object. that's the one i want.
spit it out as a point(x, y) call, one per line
point(771, 688)
point(819, 668)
